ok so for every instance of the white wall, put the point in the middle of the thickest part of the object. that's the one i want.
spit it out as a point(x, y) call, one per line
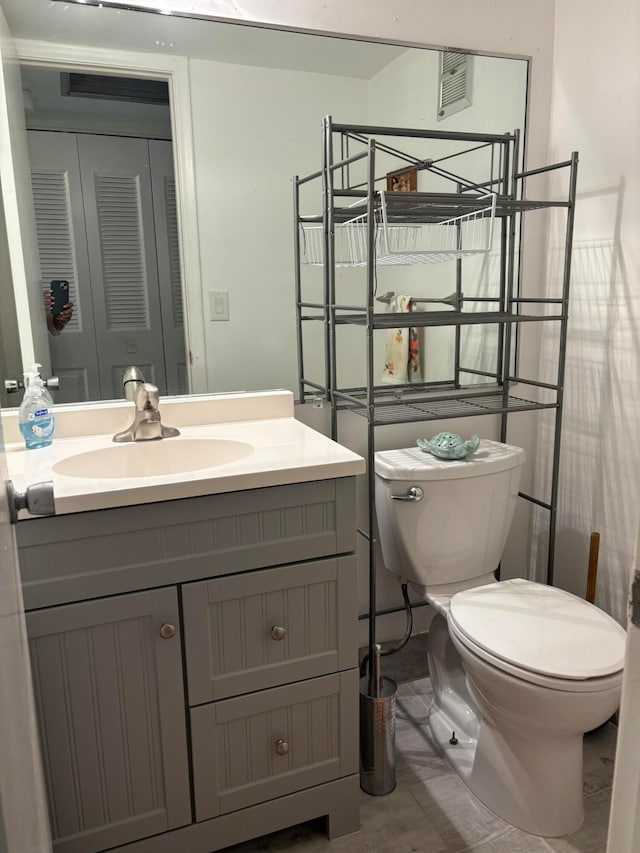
point(507, 27)
point(254, 128)
point(23, 812)
point(596, 90)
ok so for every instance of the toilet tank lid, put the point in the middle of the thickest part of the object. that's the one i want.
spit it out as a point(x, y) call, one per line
point(411, 463)
point(541, 629)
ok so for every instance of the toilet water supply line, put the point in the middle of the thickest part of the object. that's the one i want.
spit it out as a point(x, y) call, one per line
point(391, 650)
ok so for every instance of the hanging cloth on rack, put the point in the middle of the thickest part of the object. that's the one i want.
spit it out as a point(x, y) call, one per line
point(402, 349)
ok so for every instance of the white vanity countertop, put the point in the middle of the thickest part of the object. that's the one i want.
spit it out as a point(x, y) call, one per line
point(283, 450)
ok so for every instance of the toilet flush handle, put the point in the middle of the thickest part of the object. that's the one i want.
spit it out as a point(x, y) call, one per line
point(415, 493)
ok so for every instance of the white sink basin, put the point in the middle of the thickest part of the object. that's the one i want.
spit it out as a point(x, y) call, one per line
point(164, 457)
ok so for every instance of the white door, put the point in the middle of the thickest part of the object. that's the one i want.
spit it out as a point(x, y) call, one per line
point(24, 825)
point(624, 821)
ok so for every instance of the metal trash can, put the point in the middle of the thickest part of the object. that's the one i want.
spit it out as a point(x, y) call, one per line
point(377, 735)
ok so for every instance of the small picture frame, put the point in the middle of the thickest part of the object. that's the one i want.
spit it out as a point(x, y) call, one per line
point(403, 180)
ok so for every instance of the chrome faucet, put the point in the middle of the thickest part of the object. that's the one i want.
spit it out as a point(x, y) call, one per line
point(146, 424)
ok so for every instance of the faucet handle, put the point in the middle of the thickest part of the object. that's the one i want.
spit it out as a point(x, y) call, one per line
point(147, 397)
point(146, 423)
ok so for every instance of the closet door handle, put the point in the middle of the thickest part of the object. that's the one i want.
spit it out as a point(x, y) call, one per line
point(278, 632)
point(415, 493)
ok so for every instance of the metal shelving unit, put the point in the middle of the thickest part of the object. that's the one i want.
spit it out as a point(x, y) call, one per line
point(355, 228)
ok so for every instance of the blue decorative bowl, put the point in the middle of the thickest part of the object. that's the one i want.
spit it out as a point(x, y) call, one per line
point(449, 445)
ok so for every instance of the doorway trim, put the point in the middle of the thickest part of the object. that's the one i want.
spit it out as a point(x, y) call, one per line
point(175, 71)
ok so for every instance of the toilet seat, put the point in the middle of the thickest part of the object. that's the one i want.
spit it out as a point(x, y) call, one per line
point(570, 685)
point(539, 633)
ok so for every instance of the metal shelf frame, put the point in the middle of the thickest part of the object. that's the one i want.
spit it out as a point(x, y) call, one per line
point(431, 401)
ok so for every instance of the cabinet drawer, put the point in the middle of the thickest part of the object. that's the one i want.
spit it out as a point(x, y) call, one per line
point(253, 631)
point(87, 555)
point(255, 748)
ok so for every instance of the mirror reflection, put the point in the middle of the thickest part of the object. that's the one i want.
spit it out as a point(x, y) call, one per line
point(257, 98)
point(104, 196)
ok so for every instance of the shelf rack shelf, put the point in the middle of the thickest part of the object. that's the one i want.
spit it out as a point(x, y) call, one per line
point(460, 405)
point(405, 234)
point(441, 318)
point(350, 192)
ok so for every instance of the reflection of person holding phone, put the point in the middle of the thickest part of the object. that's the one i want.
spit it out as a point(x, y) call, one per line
point(57, 307)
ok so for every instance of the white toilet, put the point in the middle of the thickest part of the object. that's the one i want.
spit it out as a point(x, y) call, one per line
point(520, 670)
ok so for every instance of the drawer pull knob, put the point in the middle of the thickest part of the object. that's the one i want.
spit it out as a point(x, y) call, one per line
point(167, 631)
point(278, 632)
point(282, 747)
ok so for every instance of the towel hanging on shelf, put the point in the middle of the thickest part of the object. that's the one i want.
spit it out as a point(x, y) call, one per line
point(402, 350)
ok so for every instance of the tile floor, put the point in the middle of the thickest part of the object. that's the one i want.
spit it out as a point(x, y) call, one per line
point(431, 810)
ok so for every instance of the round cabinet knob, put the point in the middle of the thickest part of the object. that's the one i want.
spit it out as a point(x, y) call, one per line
point(282, 747)
point(278, 632)
point(167, 631)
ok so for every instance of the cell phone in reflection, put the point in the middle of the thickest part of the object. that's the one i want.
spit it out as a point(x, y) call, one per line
point(59, 296)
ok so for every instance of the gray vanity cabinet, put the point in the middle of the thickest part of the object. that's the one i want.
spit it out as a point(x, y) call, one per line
point(109, 695)
point(195, 667)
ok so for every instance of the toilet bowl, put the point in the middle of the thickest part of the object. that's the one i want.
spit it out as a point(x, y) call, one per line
point(519, 670)
point(542, 667)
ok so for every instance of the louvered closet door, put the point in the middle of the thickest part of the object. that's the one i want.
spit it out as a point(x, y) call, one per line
point(116, 185)
point(57, 196)
point(163, 185)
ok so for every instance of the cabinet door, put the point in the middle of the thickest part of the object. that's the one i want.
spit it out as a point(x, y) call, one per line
point(110, 703)
point(256, 630)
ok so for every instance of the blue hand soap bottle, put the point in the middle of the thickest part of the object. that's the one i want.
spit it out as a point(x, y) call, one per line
point(35, 416)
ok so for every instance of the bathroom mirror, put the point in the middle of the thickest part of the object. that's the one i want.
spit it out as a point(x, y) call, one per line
point(255, 101)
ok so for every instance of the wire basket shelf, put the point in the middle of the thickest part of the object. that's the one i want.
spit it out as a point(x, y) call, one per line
point(396, 244)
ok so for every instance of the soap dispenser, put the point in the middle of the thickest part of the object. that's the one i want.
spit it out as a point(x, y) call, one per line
point(35, 415)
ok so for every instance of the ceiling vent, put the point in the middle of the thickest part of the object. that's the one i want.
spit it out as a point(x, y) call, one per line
point(454, 83)
point(133, 89)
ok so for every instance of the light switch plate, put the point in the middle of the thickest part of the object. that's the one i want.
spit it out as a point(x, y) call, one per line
point(218, 304)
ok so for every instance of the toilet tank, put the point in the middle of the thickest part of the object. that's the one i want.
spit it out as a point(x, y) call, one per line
point(458, 530)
